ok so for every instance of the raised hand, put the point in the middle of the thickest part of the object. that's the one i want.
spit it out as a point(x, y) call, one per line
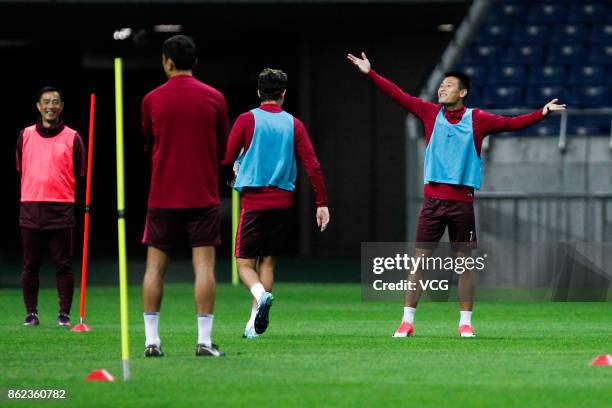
point(363, 64)
point(322, 217)
point(552, 106)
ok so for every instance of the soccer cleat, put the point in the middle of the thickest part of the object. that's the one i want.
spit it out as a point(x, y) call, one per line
point(31, 320)
point(404, 330)
point(263, 311)
point(250, 333)
point(153, 351)
point(63, 319)
point(203, 350)
point(466, 330)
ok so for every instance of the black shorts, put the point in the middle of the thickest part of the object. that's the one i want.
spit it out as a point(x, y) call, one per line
point(165, 226)
point(261, 232)
point(436, 215)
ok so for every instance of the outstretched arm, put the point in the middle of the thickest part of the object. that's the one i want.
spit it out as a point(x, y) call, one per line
point(496, 124)
point(412, 104)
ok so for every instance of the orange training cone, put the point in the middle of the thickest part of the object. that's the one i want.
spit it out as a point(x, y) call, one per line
point(100, 375)
point(81, 327)
point(602, 360)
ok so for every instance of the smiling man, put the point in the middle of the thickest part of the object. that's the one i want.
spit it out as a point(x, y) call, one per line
point(50, 160)
point(452, 170)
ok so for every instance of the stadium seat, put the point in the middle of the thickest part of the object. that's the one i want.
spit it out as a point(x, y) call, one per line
point(587, 12)
point(601, 33)
point(570, 34)
point(494, 33)
point(547, 12)
point(507, 74)
point(538, 96)
point(566, 54)
point(584, 130)
point(526, 54)
point(509, 12)
point(532, 34)
point(546, 128)
point(483, 54)
point(603, 122)
point(588, 96)
point(474, 71)
point(547, 75)
point(474, 99)
point(600, 54)
point(502, 97)
point(587, 74)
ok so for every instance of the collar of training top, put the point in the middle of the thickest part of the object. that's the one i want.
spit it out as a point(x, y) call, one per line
point(51, 131)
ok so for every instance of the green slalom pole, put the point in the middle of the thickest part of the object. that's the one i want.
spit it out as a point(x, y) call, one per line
point(123, 294)
point(235, 218)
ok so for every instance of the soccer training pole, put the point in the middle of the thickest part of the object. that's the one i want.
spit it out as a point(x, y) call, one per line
point(123, 295)
point(235, 218)
point(92, 112)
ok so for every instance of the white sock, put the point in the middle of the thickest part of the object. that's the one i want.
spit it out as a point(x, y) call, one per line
point(466, 317)
point(257, 290)
point(151, 321)
point(205, 323)
point(251, 321)
point(409, 314)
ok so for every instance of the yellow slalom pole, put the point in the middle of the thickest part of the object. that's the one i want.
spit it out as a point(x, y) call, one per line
point(123, 294)
point(235, 218)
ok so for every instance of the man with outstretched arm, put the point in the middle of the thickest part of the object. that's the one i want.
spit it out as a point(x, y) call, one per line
point(452, 170)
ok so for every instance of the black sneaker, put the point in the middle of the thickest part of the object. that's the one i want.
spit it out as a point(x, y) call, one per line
point(263, 311)
point(31, 320)
point(63, 319)
point(206, 351)
point(153, 351)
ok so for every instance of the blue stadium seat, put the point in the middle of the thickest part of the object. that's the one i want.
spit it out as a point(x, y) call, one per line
point(547, 12)
point(507, 74)
point(547, 128)
point(474, 71)
point(601, 121)
point(584, 130)
point(502, 97)
point(547, 75)
point(482, 54)
point(601, 33)
point(600, 54)
point(566, 54)
point(587, 74)
point(588, 96)
point(474, 99)
point(570, 34)
point(538, 96)
point(525, 54)
point(532, 34)
point(494, 33)
point(506, 12)
point(587, 12)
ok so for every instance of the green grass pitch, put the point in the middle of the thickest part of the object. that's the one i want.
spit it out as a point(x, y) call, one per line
point(324, 347)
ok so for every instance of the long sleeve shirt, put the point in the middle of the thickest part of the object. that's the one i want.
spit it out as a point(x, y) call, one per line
point(483, 123)
point(184, 123)
point(273, 197)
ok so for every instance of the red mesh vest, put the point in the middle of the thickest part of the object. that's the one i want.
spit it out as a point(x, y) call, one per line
point(47, 172)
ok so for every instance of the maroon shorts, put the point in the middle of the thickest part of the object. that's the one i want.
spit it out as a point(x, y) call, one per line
point(165, 226)
point(436, 215)
point(261, 232)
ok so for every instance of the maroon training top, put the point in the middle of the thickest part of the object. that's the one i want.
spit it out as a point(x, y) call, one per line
point(483, 123)
point(184, 121)
point(261, 198)
point(45, 215)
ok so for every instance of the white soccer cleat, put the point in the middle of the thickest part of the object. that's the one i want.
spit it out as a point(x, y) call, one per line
point(249, 333)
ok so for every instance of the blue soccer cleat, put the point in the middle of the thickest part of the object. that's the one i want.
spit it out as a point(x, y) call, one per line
point(263, 312)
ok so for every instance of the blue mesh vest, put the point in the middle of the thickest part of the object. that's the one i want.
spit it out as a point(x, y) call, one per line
point(270, 158)
point(450, 156)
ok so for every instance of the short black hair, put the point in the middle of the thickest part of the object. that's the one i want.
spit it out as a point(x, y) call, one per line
point(464, 80)
point(182, 50)
point(271, 84)
point(46, 89)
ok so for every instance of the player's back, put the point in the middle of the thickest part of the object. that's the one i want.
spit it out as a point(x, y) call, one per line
point(186, 120)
